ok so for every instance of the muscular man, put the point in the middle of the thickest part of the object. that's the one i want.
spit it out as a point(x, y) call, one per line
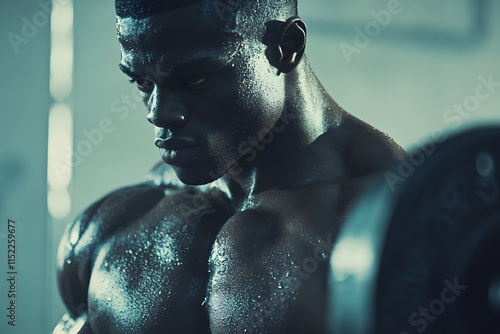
point(235, 105)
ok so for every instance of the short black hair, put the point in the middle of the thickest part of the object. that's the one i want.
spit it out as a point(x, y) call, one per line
point(140, 9)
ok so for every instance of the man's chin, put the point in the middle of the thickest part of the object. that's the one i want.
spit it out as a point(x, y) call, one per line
point(195, 177)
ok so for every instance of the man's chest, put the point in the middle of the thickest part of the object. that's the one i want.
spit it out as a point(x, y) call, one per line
point(160, 274)
point(269, 263)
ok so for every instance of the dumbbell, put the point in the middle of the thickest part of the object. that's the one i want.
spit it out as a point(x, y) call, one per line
point(420, 252)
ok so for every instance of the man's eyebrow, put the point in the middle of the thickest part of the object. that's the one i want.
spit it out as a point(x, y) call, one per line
point(194, 62)
point(179, 68)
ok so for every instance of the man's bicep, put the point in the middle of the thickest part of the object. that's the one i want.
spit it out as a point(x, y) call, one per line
point(72, 266)
point(90, 230)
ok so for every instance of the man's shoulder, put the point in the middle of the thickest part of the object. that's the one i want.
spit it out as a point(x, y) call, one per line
point(121, 205)
point(161, 191)
point(366, 150)
point(110, 212)
point(126, 207)
point(82, 239)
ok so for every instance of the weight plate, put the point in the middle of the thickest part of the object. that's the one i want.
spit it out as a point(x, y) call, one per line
point(420, 251)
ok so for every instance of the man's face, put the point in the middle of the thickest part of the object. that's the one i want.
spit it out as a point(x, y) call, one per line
point(206, 90)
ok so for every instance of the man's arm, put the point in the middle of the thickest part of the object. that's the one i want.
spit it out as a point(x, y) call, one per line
point(83, 238)
point(132, 226)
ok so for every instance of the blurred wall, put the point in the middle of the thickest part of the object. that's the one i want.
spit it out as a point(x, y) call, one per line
point(408, 73)
point(25, 102)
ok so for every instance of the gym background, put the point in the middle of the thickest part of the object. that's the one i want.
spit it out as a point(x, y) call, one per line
point(406, 67)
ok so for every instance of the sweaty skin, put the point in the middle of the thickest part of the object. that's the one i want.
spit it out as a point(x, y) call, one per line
point(135, 261)
point(249, 252)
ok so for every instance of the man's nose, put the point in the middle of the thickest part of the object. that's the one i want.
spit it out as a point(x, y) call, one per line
point(166, 110)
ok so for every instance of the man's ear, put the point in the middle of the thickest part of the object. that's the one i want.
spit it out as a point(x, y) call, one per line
point(291, 44)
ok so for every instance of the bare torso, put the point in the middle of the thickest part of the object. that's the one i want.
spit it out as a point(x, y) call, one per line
point(137, 265)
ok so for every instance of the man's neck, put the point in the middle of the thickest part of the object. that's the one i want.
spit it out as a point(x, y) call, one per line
point(302, 149)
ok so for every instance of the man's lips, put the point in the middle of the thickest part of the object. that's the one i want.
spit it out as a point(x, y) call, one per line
point(174, 143)
point(176, 151)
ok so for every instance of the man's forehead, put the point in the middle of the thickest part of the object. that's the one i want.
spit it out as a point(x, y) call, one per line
point(163, 40)
point(182, 22)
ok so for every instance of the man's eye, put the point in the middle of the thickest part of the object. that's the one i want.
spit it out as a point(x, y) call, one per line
point(196, 81)
point(145, 86)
